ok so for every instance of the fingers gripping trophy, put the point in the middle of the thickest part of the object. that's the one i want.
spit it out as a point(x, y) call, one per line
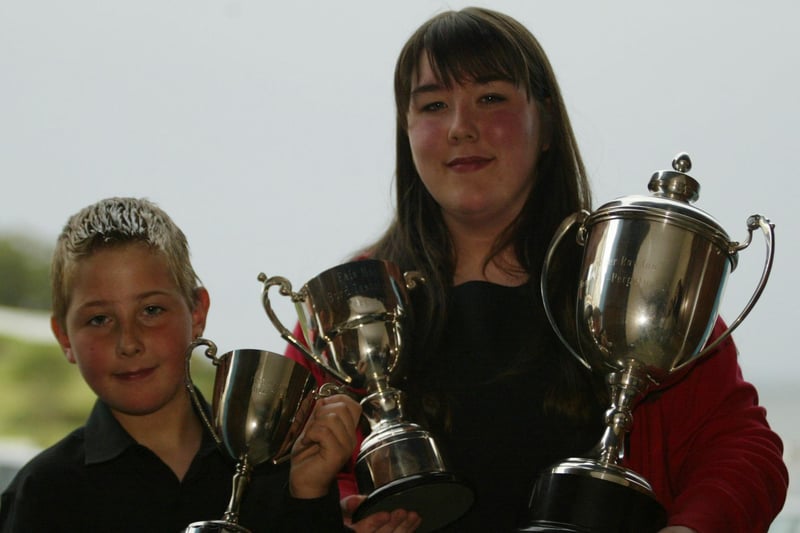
point(353, 318)
point(651, 280)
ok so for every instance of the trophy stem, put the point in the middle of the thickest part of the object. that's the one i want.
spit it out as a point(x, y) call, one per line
point(596, 495)
point(626, 388)
point(240, 481)
point(383, 408)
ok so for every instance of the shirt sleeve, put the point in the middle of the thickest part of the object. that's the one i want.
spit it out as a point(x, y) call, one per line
point(706, 445)
point(321, 515)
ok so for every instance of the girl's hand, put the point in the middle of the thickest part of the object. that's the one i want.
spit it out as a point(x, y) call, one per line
point(398, 521)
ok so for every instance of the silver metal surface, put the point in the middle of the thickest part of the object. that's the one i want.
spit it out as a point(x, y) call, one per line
point(597, 469)
point(215, 526)
point(261, 402)
point(653, 273)
point(353, 319)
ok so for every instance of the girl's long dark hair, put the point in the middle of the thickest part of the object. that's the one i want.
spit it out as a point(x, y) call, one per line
point(464, 45)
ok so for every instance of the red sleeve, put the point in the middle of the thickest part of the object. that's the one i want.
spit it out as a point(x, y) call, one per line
point(346, 478)
point(706, 447)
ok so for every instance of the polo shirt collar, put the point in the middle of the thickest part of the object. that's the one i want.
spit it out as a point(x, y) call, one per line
point(106, 439)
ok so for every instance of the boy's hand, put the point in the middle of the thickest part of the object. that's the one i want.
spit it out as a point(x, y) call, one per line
point(398, 521)
point(325, 445)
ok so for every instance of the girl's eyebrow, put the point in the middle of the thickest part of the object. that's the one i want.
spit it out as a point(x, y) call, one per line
point(489, 78)
point(426, 88)
point(436, 86)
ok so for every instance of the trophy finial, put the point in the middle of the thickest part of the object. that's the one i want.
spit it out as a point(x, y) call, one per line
point(676, 184)
point(682, 162)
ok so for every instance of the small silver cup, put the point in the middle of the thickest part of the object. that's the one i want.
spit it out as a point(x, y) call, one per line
point(652, 277)
point(354, 318)
point(260, 404)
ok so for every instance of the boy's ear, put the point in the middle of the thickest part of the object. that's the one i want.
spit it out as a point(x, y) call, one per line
point(202, 301)
point(62, 338)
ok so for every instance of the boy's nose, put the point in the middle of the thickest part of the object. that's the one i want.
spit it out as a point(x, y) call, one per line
point(129, 343)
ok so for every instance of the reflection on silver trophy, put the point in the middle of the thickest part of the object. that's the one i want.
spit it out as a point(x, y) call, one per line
point(652, 277)
point(353, 318)
point(261, 403)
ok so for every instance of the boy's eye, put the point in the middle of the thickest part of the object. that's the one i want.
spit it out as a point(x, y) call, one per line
point(153, 310)
point(98, 320)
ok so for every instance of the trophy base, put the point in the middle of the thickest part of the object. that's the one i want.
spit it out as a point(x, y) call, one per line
point(215, 526)
point(438, 497)
point(584, 496)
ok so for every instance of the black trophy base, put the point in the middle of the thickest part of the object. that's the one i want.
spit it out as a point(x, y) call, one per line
point(438, 497)
point(580, 503)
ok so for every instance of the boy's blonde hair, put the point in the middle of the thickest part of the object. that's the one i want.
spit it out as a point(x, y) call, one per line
point(113, 222)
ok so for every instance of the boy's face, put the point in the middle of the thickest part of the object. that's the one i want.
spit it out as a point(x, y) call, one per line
point(127, 328)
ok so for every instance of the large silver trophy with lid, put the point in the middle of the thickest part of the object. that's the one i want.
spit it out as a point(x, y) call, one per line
point(260, 404)
point(354, 318)
point(652, 277)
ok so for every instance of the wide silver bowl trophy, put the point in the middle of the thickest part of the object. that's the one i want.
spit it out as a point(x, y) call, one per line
point(353, 319)
point(651, 281)
point(260, 404)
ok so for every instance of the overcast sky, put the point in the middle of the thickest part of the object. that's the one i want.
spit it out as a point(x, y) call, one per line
point(266, 128)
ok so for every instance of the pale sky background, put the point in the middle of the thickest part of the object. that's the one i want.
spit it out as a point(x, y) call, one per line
point(266, 128)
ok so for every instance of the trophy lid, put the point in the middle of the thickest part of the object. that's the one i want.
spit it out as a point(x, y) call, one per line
point(673, 193)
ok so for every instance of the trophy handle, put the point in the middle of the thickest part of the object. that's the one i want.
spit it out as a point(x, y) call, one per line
point(211, 353)
point(412, 278)
point(754, 222)
point(566, 224)
point(329, 389)
point(286, 290)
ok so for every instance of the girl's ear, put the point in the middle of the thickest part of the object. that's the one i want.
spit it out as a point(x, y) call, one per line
point(62, 338)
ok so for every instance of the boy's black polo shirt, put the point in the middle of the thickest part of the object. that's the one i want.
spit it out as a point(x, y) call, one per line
point(99, 479)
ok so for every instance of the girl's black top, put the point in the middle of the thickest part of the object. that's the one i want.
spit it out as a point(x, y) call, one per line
point(483, 395)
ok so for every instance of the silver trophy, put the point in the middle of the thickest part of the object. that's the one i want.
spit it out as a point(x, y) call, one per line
point(260, 404)
point(353, 319)
point(651, 281)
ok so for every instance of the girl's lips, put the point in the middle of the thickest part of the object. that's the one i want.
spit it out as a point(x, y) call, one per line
point(135, 375)
point(468, 164)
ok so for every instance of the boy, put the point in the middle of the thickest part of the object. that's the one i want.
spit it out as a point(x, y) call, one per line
point(126, 304)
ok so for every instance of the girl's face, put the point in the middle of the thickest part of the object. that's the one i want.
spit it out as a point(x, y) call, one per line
point(127, 328)
point(475, 147)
